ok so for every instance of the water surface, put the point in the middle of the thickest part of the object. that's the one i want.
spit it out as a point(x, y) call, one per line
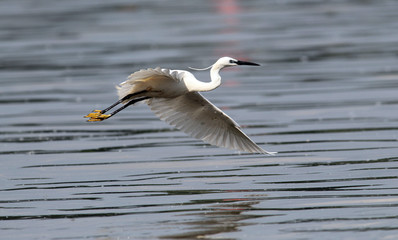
point(325, 98)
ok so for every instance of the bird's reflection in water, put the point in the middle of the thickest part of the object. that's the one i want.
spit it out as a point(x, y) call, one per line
point(224, 216)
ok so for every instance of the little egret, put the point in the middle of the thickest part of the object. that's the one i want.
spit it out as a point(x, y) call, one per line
point(173, 95)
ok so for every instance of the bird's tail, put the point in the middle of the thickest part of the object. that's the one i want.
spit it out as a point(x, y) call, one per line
point(134, 83)
point(124, 89)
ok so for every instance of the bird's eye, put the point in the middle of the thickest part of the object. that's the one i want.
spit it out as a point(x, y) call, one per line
point(231, 61)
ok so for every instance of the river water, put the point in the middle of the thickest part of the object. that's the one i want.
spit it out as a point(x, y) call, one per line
point(325, 98)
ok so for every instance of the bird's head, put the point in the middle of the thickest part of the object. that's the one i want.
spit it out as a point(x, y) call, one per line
point(228, 62)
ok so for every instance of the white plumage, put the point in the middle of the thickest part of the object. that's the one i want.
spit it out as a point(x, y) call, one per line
point(173, 95)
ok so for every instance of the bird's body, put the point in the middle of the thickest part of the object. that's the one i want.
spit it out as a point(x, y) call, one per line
point(173, 95)
point(156, 82)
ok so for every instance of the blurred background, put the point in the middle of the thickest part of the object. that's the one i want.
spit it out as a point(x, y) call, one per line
point(325, 98)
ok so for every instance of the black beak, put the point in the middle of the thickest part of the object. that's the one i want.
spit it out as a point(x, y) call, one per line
point(246, 63)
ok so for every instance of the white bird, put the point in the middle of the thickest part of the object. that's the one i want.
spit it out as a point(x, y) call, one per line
point(173, 95)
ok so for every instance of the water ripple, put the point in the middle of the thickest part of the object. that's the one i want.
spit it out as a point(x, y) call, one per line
point(324, 98)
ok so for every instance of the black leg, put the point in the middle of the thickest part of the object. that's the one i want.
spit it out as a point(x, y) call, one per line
point(98, 115)
point(122, 100)
point(128, 104)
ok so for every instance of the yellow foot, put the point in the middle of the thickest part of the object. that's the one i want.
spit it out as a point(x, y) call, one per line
point(96, 116)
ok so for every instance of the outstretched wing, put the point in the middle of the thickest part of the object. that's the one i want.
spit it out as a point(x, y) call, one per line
point(199, 118)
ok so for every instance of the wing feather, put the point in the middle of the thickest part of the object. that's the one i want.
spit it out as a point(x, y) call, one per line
point(197, 117)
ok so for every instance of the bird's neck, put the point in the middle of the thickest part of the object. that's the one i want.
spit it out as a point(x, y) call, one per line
point(213, 84)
